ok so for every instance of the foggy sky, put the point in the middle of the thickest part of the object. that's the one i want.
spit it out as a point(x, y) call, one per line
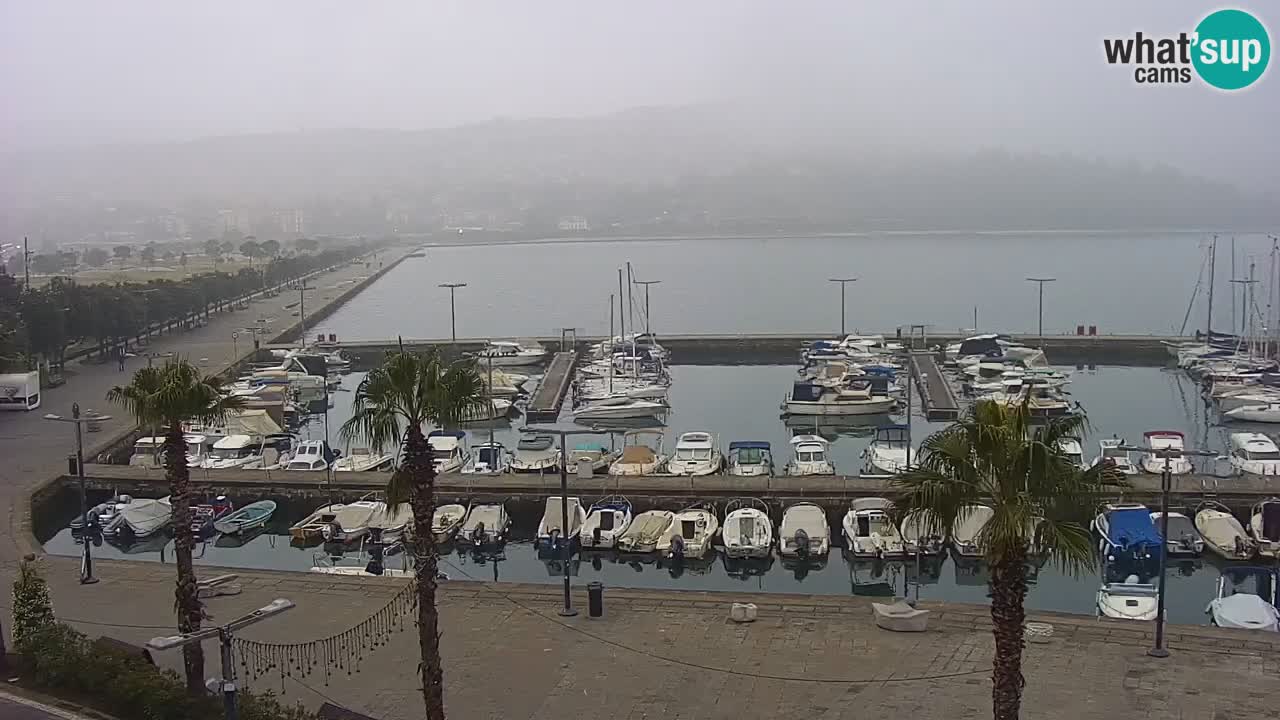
point(934, 75)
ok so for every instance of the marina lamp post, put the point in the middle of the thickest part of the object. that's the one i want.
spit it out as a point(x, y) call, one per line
point(453, 318)
point(843, 282)
point(1041, 281)
point(86, 563)
point(223, 633)
point(567, 610)
point(646, 284)
point(1166, 481)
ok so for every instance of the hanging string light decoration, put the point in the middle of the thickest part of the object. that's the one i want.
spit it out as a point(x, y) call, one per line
point(337, 654)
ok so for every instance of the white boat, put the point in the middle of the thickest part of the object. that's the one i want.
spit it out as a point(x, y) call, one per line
point(1264, 526)
point(1223, 533)
point(1254, 453)
point(750, 458)
point(313, 525)
point(1167, 440)
point(696, 454)
point(869, 532)
point(747, 531)
point(1128, 600)
point(234, 451)
point(553, 530)
point(501, 384)
point(593, 454)
point(351, 522)
point(198, 448)
point(691, 533)
point(536, 454)
point(509, 353)
point(486, 525)
point(486, 459)
point(620, 408)
point(809, 456)
point(969, 524)
point(485, 410)
point(1268, 413)
point(311, 456)
point(446, 520)
point(856, 398)
point(1070, 447)
point(641, 454)
point(148, 452)
point(646, 531)
point(920, 535)
point(1111, 454)
point(890, 452)
point(362, 459)
point(607, 521)
point(391, 521)
point(804, 532)
point(1238, 606)
point(1252, 395)
point(144, 516)
point(448, 450)
point(1183, 539)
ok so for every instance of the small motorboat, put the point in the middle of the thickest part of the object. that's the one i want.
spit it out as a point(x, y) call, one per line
point(869, 532)
point(1240, 606)
point(1183, 539)
point(536, 454)
point(920, 535)
point(143, 517)
point(561, 524)
point(487, 410)
point(804, 532)
point(1074, 453)
point(312, 526)
point(204, 515)
point(638, 456)
point(690, 535)
point(809, 456)
point(250, 517)
point(486, 459)
point(505, 353)
point(646, 531)
point(607, 521)
point(390, 521)
point(595, 455)
point(448, 450)
point(362, 459)
point(1111, 454)
point(234, 451)
point(446, 520)
point(890, 452)
point(696, 455)
point(1264, 525)
point(1128, 600)
point(1255, 454)
point(102, 514)
point(486, 525)
point(1170, 441)
point(311, 456)
point(1268, 413)
point(1223, 533)
point(352, 521)
point(148, 452)
point(969, 524)
point(750, 458)
point(620, 407)
point(747, 531)
point(1128, 532)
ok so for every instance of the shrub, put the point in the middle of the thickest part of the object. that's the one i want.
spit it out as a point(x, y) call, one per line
point(32, 607)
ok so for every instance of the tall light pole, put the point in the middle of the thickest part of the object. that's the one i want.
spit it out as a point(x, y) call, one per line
point(86, 564)
point(843, 282)
point(646, 284)
point(453, 318)
point(1041, 281)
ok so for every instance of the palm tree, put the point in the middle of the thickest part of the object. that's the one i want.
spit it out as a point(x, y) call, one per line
point(165, 396)
point(1041, 503)
point(391, 406)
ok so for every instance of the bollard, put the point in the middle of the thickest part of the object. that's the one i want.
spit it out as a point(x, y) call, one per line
point(595, 599)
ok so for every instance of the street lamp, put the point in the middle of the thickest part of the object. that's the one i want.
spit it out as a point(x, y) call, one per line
point(646, 284)
point(1166, 480)
point(86, 565)
point(843, 282)
point(453, 318)
point(567, 610)
point(223, 633)
point(1041, 281)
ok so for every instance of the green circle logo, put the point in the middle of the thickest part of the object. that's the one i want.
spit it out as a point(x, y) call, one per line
point(1232, 49)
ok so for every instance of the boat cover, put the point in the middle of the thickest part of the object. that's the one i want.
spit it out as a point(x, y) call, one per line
point(1132, 527)
point(649, 526)
point(637, 455)
point(1271, 521)
point(390, 517)
point(1219, 528)
point(251, 422)
point(1244, 611)
point(537, 442)
point(145, 515)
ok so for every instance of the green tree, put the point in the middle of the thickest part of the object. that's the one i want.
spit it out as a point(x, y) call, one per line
point(269, 248)
point(96, 257)
point(1041, 503)
point(250, 249)
point(46, 264)
point(391, 406)
point(148, 253)
point(32, 606)
point(122, 252)
point(165, 396)
point(212, 248)
point(306, 245)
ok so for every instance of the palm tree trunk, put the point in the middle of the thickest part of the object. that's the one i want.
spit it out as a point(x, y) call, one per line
point(187, 602)
point(422, 476)
point(1008, 590)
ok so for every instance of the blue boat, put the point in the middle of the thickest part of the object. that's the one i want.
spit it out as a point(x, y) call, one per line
point(1128, 533)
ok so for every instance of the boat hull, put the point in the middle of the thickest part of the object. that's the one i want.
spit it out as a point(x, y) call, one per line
point(845, 409)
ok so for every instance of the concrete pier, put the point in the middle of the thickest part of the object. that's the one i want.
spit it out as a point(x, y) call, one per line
point(544, 404)
point(936, 396)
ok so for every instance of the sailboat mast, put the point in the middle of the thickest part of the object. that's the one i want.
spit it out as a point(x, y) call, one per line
point(610, 343)
point(630, 301)
point(1233, 287)
point(1213, 260)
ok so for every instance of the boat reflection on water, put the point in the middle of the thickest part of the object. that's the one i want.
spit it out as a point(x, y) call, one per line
point(244, 538)
point(873, 577)
point(154, 543)
point(800, 567)
point(746, 568)
point(832, 429)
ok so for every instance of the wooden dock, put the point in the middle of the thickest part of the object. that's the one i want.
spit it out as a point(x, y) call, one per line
point(936, 396)
point(544, 404)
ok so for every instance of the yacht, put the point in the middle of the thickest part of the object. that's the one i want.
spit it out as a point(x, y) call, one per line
point(486, 459)
point(536, 454)
point(1250, 609)
point(750, 458)
point(804, 532)
point(690, 535)
point(620, 408)
point(148, 452)
point(1128, 532)
point(1223, 533)
point(641, 454)
point(1070, 448)
point(969, 524)
point(311, 456)
point(646, 531)
point(890, 452)
point(696, 454)
point(1183, 538)
point(1264, 526)
point(486, 525)
point(859, 397)
point(553, 533)
point(504, 353)
point(448, 450)
point(1254, 453)
point(593, 454)
point(1250, 395)
point(1166, 440)
point(607, 521)
point(446, 520)
point(1112, 454)
point(489, 409)
point(869, 532)
point(234, 451)
point(748, 530)
point(362, 459)
point(809, 457)
point(1268, 413)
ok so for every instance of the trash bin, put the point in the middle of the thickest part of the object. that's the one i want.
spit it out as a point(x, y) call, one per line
point(73, 470)
point(595, 599)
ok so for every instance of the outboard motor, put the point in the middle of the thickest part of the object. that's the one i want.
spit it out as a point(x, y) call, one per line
point(677, 547)
point(802, 544)
point(1187, 542)
point(595, 536)
point(554, 539)
point(375, 566)
point(477, 535)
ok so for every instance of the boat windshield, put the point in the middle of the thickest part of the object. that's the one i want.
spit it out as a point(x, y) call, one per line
point(693, 454)
point(750, 456)
point(1115, 453)
point(488, 456)
point(1264, 454)
point(811, 456)
point(194, 448)
point(1075, 458)
point(233, 453)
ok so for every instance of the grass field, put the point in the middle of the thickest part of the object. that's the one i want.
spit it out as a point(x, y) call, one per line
point(138, 273)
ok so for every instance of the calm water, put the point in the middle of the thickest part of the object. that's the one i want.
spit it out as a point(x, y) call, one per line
point(1121, 282)
point(741, 402)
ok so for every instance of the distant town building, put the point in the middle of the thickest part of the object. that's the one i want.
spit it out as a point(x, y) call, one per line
point(233, 221)
point(574, 223)
point(292, 223)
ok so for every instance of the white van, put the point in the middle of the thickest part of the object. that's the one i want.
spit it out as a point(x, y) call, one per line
point(20, 391)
